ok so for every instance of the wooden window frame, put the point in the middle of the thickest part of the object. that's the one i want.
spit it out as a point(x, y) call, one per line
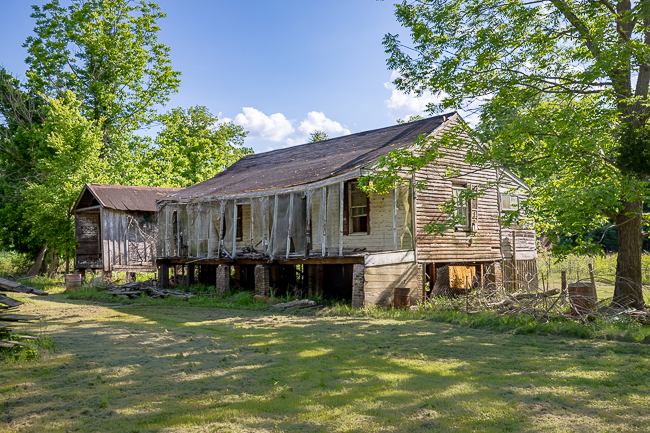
point(347, 219)
point(466, 206)
point(509, 208)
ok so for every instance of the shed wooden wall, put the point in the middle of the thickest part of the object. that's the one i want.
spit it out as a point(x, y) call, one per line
point(87, 234)
point(128, 241)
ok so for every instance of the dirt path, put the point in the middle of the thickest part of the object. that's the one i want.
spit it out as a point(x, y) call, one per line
point(168, 369)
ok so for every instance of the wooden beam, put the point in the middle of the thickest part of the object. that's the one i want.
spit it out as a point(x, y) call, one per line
point(221, 225)
point(341, 203)
point(265, 241)
point(234, 231)
point(290, 225)
point(324, 222)
point(394, 223)
point(275, 217)
point(268, 193)
point(252, 224)
point(308, 224)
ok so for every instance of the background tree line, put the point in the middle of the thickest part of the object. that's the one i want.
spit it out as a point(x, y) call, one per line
point(96, 77)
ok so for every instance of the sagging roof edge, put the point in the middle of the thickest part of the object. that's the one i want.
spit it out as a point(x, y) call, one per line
point(352, 174)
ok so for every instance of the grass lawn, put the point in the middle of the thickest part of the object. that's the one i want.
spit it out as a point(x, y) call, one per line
point(190, 368)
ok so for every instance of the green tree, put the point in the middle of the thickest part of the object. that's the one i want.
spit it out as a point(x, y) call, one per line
point(21, 114)
point(108, 54)
point(191, 147)
point(70, 157)
point(318, 136)
point(566, 81)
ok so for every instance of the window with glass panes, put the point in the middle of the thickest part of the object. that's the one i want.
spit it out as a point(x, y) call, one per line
point(358, 209)
point(509, 202)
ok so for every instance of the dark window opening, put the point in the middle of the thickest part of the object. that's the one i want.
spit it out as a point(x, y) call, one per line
point(240, 223)
point(357, 209)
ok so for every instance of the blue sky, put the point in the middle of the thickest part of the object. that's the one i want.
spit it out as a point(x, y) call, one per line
point(281, 69)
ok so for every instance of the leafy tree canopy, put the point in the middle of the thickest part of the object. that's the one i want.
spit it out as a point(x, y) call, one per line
point(562, 89)
point(108, 54)
point(318, 136)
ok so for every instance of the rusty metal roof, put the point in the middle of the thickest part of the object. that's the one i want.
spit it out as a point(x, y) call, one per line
point(125, 197)
point(312, 162)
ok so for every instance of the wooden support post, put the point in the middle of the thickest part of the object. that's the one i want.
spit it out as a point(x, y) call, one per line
point(308, 224)
point(179, 241)
point(515, 272)
point(275, 216)
point(563, 281)
point(394, 222)
point(592, 277)
point(341, 202)
point(130, 277)
point(164, 276)
point(237, 275)
point(315, 280)
point(290, 225)
point(210, 246)
point(265, 241)
point(221, 226)
point(252, 238)
point(107, 276)
point(190, 275)
point(234, 231)
point(324, 222)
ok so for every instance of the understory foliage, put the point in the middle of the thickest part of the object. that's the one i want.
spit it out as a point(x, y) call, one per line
point(561, 88)
point(97, 76)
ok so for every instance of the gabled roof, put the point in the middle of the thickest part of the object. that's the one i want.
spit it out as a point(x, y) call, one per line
point(122, 197)
point(312, 162)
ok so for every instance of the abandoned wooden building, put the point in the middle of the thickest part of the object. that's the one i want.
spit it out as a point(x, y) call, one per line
point(116, 229)
point(297, 215)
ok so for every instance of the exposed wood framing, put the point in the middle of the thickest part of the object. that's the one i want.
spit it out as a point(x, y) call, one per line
point(394, 222)
point(308, 224)
point(324, 221)
point(341, 202)
point(234, 231)
point(290, 225)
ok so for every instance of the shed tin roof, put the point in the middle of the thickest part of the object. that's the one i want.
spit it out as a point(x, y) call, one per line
point(124, 197)
point(311, 162)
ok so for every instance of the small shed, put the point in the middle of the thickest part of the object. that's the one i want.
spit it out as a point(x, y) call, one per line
point(116, 228)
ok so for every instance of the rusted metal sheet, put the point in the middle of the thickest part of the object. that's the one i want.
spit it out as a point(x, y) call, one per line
point(122, 197)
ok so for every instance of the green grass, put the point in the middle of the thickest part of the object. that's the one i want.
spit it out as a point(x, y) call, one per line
point(133, 367)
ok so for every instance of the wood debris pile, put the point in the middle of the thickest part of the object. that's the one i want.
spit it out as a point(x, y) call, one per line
point(135, 290)
point(298, 303)
point(8, 306)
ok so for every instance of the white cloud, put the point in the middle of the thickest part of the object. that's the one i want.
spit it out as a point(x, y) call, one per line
point(402, 105)
point(275, 127)
point(317, 121)
point(278, 128)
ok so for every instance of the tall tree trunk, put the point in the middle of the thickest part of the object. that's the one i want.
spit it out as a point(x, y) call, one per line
point(52, 272)
point(628, 291)
point(37, 263)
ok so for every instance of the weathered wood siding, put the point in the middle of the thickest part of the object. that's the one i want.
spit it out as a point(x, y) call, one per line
point(381, 227)
point(87, 234)
point(128, 240)
point(483, 242)
point(380, 282)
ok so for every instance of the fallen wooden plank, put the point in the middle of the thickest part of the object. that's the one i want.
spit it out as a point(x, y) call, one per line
point(25, 337)
point(12, 286)
point(17, 318)
point(8, 301)
point(10, 343)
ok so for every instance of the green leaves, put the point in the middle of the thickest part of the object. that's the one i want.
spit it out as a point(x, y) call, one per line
point(107, 53)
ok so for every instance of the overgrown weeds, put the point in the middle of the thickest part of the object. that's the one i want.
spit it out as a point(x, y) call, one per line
point(445, 310)
point(23, 354)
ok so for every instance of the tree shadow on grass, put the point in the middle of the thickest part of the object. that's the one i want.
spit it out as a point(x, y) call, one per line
point(158, 368)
